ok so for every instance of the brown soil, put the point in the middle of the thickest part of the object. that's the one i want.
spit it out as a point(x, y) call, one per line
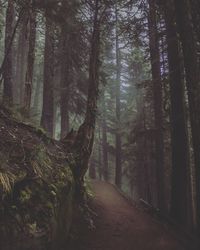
point(122, 226)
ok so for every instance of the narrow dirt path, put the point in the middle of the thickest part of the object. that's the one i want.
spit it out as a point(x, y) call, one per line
point(121, 226)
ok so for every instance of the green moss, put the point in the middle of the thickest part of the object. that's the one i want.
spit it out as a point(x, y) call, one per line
point(25, 195)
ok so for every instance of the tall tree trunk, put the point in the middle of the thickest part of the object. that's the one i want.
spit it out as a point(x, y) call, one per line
point(64, 83)
point(37, 98)
point(118, 156)
point(183, 17)
point(85, 137)
point(100, 153)
point(158, 104)
point(8, 66)
point(48, 82)
point(21, 62)
point(30, 60)
point(104, 142)
point(179, 134)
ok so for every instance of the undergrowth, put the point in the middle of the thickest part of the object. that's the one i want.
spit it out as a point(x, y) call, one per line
point(36, 185)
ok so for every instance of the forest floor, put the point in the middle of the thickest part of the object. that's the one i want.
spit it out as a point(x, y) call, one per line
point(120, 225)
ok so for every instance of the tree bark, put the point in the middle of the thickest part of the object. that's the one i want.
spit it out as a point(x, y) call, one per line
point(64, 83)
point(48, 81)
point(85, 137)
point(180, 197)
point(92, 169)
point(158, 104)
point(8, 65)
point(22, 59)
point(195, 4)
point(104, 142)
point(30, 60)
point(100, 153)
point(118, 155)
point(191, 62)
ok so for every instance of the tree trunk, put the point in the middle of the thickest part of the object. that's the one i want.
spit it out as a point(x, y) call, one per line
point(183, 17)
point(37, 98)
point(104, 143)
point(85, 137)
point(179, 134)
point(158, 104)
point(195, 4)
point(48, 82)
point(8, 65)
point(22, 59)
point(118, 173)
point(64, 83)
point(30, 61)
point(100, 153)
point(92, 169)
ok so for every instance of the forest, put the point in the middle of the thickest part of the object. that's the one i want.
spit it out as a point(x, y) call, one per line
point(99, 124)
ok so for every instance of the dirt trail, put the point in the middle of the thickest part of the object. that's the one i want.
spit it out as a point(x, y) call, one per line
point(121, 226)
